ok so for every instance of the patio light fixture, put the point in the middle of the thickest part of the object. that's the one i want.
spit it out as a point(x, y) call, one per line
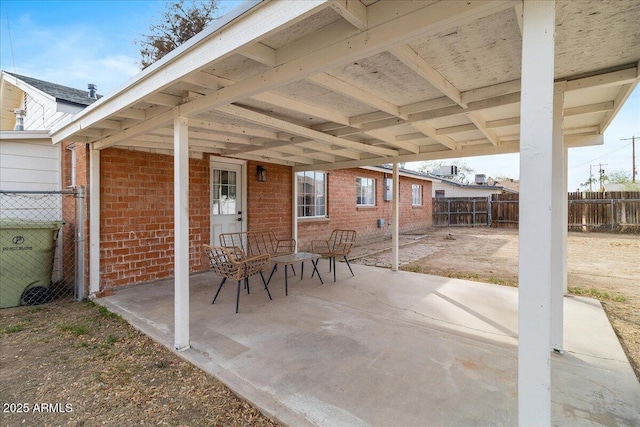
point(262, 174)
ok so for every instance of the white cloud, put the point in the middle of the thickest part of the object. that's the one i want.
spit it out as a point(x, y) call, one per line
point(72, 56)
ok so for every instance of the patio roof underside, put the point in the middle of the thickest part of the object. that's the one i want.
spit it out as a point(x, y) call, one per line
point(318, 85)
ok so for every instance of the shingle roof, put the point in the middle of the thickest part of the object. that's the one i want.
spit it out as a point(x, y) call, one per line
point(59, 92)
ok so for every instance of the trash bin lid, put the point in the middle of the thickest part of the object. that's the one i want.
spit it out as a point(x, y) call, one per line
point(12, 224)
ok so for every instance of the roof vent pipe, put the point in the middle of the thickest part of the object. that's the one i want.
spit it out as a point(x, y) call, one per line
point(19, 119)
point(93, 91)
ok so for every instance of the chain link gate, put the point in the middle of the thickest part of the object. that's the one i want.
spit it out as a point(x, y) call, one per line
point(41, 246)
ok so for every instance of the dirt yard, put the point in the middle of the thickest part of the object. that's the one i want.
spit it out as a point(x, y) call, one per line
point(602, 266)
point(76, 364)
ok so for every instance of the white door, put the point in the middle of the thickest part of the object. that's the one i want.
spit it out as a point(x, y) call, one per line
point(226, 199)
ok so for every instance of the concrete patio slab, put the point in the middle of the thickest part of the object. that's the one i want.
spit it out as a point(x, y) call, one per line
point(387, 348)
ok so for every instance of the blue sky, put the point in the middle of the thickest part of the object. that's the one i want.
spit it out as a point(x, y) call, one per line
point(79, 42)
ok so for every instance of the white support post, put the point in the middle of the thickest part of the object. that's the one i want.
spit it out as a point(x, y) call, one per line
point(559, 222)
point(294, 193)
point(94, 220)
point(536, 143)
point(181, 230)
point(395, 218)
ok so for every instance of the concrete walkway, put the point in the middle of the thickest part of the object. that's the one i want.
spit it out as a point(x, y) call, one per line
point(387, 348)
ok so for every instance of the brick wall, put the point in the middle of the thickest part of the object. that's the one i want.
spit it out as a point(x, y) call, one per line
point(136, 228)
point(137, 217)
point(270, 203)
point(343, 212)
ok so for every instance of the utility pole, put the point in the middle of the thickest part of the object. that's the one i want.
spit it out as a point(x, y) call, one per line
point(602, 177)
point(633, 156)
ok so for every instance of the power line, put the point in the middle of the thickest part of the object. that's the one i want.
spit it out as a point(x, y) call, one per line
point(599, 157)
point(13, 59)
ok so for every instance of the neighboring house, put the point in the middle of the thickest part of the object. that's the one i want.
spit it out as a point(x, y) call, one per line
point(29, 161)
point(445, 187)
point(30, 108)
point(627, 186)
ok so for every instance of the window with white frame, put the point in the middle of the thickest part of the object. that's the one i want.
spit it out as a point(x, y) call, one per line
point(416, 194)
point(312, 194)
point(365, 192)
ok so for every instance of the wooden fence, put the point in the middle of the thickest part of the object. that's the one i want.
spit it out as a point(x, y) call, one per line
point(587, 211)
point(461, 211)
point(609, 211)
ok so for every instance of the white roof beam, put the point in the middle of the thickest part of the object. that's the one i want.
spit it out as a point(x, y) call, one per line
point(518, 9)
point(492, 91)
point(589, 109)
point(615, 78)
point(302, 107)
point(456, 129)
point(132, 113)
point(283, 125)
point(624, 93)
point(292, 104)
point(163, 99)
point(231, 129)
point(347, 89)
point(453, 110)
point(392, 141)
point(582, 140)
point(429, 154)
point(511, 121)
point(204, 80)
point(411, 59)
point(137, 130)
point(329, 149)
point(353, 11)
point(265, 158)
point(431, 133)
point(432, 104)
point(274, 154)
point(412, 136)
point(355, 121)
point(260, 53)
point(305, 152)
point(110, 124)
point(481, 123)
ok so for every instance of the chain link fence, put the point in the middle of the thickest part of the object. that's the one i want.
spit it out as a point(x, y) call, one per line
point(41, 246)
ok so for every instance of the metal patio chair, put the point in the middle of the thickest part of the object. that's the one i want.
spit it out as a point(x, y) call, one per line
point(339, 245)
point(231, 263)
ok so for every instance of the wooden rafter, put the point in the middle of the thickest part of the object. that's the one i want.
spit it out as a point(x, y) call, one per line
point(275, 123)
point(481, 124)
point(411, 59)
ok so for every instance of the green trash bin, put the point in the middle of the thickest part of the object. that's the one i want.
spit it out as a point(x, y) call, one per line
point(27, 249)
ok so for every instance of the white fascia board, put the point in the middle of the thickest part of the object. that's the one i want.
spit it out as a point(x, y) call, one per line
point(390, 171)
point(226, 36)
point(25, 135)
